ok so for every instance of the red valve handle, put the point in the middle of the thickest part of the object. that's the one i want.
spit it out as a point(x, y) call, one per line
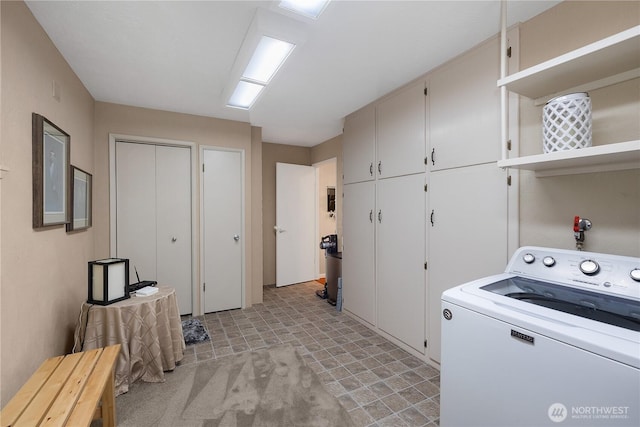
point(576, 224)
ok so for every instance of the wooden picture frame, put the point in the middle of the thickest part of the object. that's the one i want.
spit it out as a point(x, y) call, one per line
point(50, 159)
point(80, 198)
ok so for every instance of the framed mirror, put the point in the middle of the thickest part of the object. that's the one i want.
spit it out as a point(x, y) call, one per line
point(50, 160)
point(80, 199)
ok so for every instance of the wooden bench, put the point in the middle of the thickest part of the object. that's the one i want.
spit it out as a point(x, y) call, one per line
point(69, 390)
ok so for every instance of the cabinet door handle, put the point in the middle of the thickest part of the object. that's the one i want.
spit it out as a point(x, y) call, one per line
point(371, 169)
point(380, 167)
point(433, 156)
point(380, 216)
point(371, 215)
point(432, 217)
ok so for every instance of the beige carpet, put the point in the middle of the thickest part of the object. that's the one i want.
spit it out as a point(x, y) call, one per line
point(268, 387)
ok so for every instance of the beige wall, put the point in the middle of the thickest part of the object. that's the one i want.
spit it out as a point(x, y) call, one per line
point(611, 200)
point(43, 278)
point(203, 131)
point(272, 154)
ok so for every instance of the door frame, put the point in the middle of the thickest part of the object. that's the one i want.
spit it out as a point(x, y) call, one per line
point(242, 222)
point(317, 166)
point(113, 138)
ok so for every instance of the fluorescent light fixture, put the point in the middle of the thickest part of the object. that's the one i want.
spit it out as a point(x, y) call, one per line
point(309, 8)
point(245, 94)
point(269, 41)
point(269, 55)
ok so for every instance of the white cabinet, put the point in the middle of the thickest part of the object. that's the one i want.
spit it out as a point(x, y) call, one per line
point(358, 148)
point(464, 110)
point(467, 233)
point(400, 254)
point(400, 123)
point(383, 256)
point(358, 254)
point(386, 139)
point(608, 61)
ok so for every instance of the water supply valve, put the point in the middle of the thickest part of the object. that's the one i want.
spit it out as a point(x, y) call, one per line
point(580, 225)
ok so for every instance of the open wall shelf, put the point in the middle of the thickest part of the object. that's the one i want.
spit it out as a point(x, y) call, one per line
point(608, 61)
point(602, 158)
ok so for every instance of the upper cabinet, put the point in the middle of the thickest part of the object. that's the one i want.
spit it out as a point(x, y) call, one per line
point(606, 62)
point(464, 109)
point(401, 119)
point(358, 150)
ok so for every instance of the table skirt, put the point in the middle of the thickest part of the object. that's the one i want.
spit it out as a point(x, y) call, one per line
point(149, 329)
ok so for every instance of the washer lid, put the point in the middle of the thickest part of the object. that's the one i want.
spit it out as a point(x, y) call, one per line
point(616, 311)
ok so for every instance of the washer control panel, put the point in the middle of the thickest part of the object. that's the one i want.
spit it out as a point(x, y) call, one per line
point(612, 274)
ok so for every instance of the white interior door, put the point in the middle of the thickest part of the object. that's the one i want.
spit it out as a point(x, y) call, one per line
point(153, 215)
point(222, 210)
point(295, 223)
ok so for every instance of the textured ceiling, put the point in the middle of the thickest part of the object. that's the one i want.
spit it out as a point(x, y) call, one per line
point(179, 56)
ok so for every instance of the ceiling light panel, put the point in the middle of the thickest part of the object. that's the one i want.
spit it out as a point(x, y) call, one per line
point(269, 55)
point(245, 95)
point(309, 8)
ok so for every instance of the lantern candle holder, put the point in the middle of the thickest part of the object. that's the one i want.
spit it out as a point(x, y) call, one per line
point(108, 281)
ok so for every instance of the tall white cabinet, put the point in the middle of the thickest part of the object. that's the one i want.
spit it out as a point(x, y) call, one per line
point(385, 209)
point(427, 208)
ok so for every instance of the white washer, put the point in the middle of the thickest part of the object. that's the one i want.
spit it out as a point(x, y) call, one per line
point(555, 340)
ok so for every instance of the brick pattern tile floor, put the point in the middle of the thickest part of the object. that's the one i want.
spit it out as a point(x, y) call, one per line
point(376, 381)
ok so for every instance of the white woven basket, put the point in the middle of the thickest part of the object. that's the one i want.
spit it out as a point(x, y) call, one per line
point(566, 122)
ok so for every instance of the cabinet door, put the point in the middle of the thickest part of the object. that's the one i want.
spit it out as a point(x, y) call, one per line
point(358, 146)
point(358, 268)
point(464, 110)
point(468, 238)
point(401, 133)
point(400, 258)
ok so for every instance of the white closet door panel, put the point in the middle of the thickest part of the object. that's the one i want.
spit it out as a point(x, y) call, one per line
point(468, 239)
point(173, 201)
point(223, 239)
point(400, 258)
point(358, 253)
point(464, 109)
point(136, 208)
point(401, 133)
point(358, 146)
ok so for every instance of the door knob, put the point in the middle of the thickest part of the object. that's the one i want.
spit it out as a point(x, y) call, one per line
point(236, 237)
point(173, 240)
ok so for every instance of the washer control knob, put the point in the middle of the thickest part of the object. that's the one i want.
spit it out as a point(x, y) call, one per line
point(528, 258)
point(635, 274)
point(549, 261)
point(589, 267)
